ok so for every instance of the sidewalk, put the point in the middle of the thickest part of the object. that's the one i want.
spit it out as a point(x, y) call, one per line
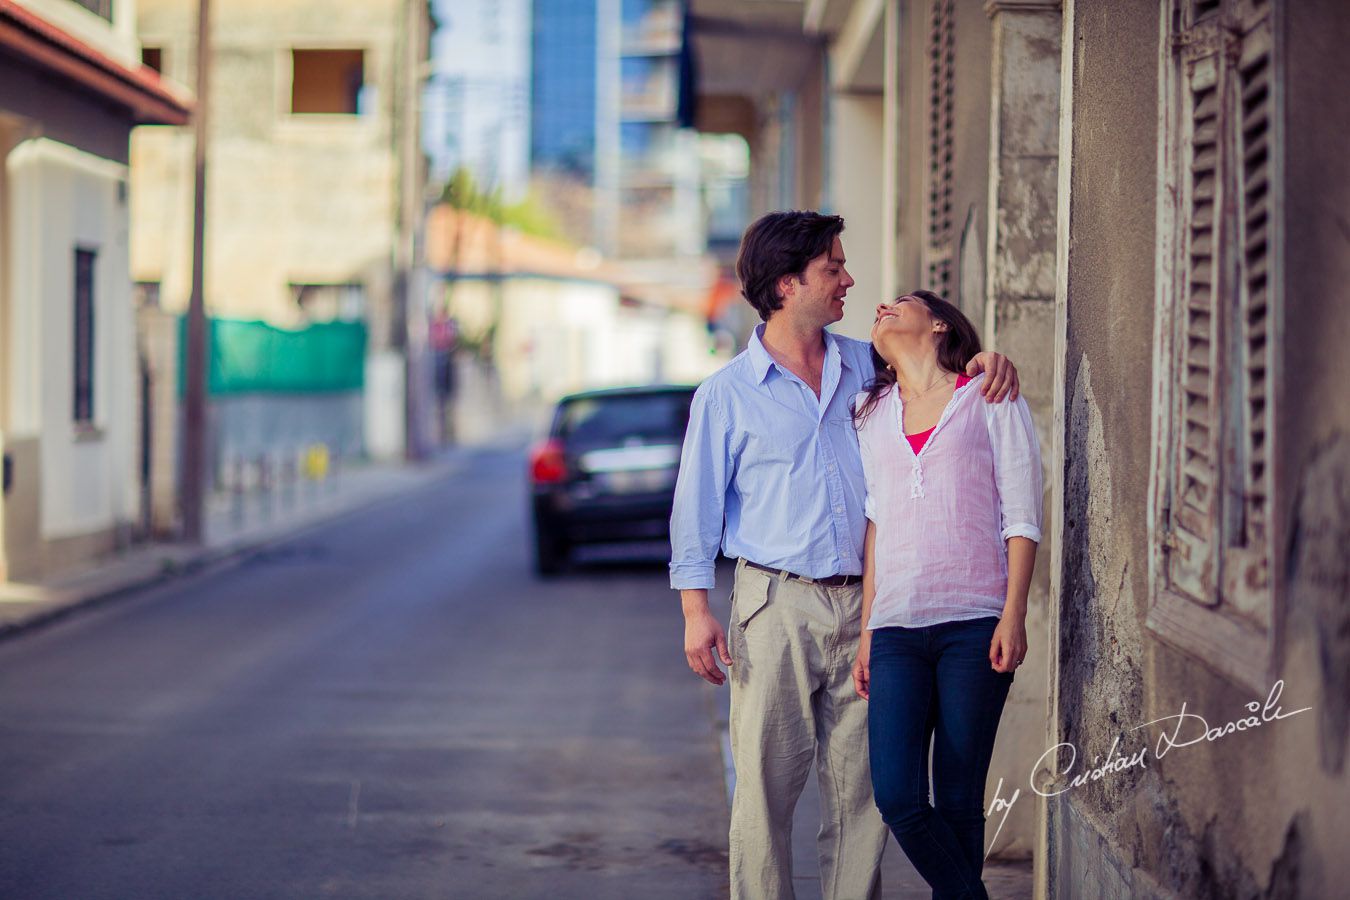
point(235, 525)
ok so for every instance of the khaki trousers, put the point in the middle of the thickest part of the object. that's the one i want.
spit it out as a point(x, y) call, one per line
point(792, 701)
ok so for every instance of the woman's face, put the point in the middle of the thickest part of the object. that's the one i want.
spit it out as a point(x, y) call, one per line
point(903, 315)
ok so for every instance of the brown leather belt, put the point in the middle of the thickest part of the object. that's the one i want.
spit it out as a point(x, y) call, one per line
point(832, 581)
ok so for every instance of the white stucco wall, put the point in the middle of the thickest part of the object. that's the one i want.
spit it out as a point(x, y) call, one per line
point(63, 199)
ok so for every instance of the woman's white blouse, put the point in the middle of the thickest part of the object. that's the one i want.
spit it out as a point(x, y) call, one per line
point(943, 516)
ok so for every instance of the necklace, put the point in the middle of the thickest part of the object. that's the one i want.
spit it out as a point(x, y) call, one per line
point(941, 379)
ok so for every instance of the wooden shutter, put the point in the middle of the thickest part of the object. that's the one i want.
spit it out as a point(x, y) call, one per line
point(1246, 556)
point(1218, 327)
point(941, 68)
point(1192, 558)
point(1218, 543)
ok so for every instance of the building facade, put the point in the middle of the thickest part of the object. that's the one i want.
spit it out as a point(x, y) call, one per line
point(71, 89)
point(1200, 303)
point(1138, 203)
point(314, 190)
point(610, 144)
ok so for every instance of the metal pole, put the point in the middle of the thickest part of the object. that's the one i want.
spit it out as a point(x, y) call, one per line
point(194, 406)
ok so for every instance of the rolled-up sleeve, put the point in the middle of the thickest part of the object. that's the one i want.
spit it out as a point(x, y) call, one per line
point(1017, 468)
point(700, 495)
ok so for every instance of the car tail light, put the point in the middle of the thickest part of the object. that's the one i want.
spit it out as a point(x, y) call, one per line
point(547, 463)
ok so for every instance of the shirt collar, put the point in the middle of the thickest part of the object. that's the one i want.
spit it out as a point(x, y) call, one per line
point(832, 346)
point(762, 362)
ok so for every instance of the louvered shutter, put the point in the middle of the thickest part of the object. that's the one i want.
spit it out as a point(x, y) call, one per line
point(941, 69)
point(1218, 536)
point(1218, 325)
point(1192, 557)
point(1245, 563)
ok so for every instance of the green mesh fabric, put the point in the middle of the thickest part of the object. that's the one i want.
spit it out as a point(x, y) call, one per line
point(255, 357)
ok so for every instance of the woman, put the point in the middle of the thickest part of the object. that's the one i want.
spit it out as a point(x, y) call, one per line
point(954, 510)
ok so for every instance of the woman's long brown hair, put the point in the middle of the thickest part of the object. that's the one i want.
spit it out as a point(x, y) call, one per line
point(955, 350)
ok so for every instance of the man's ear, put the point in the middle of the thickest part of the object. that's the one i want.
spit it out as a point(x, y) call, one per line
point(786, 287)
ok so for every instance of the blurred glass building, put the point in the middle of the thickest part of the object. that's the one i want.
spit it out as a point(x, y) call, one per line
point(478, 97)
point(565, 68)
point(607, 113)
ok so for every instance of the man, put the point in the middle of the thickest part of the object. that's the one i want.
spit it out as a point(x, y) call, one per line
point(771, 454)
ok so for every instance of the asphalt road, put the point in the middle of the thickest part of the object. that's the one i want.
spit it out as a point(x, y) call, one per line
point(389, 706)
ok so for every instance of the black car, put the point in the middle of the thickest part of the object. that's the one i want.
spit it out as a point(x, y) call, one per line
point(606, 471)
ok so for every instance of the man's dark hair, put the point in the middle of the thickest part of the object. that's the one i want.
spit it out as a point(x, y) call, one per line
point(778, 244)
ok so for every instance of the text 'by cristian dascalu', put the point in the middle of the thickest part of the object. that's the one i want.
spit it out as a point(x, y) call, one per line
point(1182, 729)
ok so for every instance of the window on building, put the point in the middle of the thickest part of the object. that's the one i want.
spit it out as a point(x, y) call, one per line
point(153, 57)
point(327, 82)
point(84, 335)
point(1217, 309)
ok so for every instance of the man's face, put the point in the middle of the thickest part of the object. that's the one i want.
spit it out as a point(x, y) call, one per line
point(819, 294)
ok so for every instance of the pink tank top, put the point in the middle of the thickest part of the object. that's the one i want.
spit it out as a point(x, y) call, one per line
point(918, 440)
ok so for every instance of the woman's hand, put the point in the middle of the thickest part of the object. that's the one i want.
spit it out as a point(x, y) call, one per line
point(1008, 647)
point(861, 667)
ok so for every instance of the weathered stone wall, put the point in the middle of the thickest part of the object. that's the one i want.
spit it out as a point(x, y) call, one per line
point(1019, 290)
point(1315, 411)
point(1021, 284)
point(1261, 812)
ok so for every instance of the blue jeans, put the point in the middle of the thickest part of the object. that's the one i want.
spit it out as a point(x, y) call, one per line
point(936, 683)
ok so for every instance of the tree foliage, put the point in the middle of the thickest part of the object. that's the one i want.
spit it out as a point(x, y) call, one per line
point(530, 215)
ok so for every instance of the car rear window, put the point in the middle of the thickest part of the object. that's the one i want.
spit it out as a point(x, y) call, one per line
point(604, 420)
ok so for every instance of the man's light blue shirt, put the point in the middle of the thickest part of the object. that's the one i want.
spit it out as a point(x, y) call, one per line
point(779, 468)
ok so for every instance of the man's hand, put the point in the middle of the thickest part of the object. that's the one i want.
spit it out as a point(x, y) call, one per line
point(702, 634)
point(1002, 381)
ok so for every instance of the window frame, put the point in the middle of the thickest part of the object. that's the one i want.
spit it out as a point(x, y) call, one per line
point(324, 124)
point(1238, 639)
point(84, 346)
